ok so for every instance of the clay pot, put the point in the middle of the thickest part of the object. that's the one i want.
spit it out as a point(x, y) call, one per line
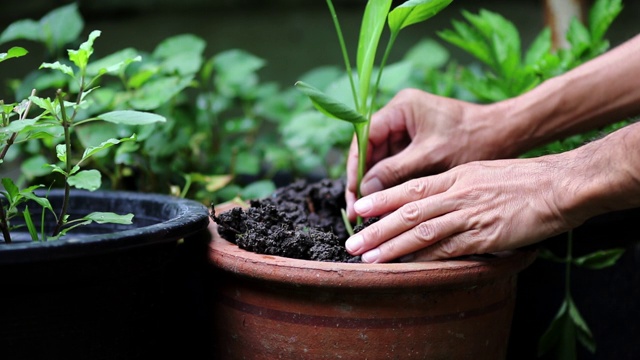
point(268, 307)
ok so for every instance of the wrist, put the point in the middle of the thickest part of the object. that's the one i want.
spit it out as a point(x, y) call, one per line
point(600, 177)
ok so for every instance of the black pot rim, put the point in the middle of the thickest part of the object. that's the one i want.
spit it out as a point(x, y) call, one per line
point(191, 217)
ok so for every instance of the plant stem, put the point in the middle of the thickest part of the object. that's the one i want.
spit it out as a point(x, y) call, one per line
point(66, 124)
point(345, 54)
point(13, 136)
point(4, 226)
point(568, 263)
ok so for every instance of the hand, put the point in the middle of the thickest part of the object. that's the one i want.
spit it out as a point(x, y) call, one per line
point(419, 134)
point(475, 208)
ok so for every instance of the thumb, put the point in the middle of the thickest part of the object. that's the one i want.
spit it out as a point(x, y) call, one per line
point(393, 171)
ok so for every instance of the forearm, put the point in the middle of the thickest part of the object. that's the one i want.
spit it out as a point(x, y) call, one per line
point(600, 92)
point(601, 176)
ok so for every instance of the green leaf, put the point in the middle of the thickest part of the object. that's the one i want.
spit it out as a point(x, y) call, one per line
point(12, 190)
point(329, 106)
point(601, 16)
point(600, 259)
point(21, 30)
point(583, 332)
point(109, 217)
point(132, 117)
point(29, 222)
point(373, 22)
point(539, 48)
point(90, 151)
point(65, 69)
point(579, 37)
point(546, 254)
point(414, 11)
point(81, 56)
point(14, 52)
point(258, 189)
point(42, 201)
point(559, 335)
point(180, 44)
point(114, 63)
point(61, 152)
point(61, 26)
point(86, 179)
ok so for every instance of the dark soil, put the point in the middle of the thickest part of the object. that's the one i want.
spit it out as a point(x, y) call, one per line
point(302, 221)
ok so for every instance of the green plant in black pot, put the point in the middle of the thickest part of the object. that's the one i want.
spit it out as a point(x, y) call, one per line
point(113, 261)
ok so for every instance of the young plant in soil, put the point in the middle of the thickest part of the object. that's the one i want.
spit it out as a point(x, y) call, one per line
point(307, 221)
point(53, 126)
point(376, 14)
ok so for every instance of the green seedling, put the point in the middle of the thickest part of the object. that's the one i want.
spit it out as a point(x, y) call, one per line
point(376, 14)
point(55, 123)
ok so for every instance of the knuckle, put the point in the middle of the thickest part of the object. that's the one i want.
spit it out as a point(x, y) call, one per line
point(415, 189)
point(410, 213)
point(425, 233)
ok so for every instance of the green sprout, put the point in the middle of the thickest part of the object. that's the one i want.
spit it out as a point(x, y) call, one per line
point(376, 14)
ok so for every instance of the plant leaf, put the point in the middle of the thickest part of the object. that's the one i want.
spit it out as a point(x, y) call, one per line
point(90, 151)
point(330, 106)
point(373, 22)
point(86, 179)
point(14, 52)
point(600, 259)
point(109, 217)
point(65, 69)
point(414, 11)
point(81, 56)
point(132, 117)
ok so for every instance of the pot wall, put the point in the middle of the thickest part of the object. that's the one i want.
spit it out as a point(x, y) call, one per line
point(269, 307)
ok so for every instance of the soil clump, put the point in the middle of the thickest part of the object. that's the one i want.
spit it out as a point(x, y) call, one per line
point(302, 220)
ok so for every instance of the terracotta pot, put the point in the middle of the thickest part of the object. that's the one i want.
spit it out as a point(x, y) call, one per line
point(268, 307)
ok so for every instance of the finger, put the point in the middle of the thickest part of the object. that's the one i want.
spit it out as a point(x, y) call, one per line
point(398, 222)
point(393, 170)
point(391, 199)
point(424, 235)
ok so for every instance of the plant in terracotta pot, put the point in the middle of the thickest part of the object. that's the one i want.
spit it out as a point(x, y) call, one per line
point(87, 269)
point(285, 286)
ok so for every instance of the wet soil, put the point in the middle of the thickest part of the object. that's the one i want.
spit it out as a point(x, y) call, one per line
point(302, 220)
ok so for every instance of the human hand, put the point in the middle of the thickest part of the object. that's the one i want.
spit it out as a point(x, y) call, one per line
point(419, 134)
point(475, 208)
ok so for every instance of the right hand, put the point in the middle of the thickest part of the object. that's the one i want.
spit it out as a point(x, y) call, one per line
point(418, 134)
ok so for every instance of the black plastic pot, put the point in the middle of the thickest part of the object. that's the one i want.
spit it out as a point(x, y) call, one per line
point(105, 291)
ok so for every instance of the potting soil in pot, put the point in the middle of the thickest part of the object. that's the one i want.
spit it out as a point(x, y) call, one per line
point(302, 220)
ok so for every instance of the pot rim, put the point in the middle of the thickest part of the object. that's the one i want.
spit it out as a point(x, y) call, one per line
point(189, 217)
point(228, 257)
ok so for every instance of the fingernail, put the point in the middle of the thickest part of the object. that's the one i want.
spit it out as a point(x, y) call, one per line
point(371, 256)
point(370, 186)
point(354, 243)
point(363, 206)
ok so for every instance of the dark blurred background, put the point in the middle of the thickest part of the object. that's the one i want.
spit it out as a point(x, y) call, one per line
point(292, 35)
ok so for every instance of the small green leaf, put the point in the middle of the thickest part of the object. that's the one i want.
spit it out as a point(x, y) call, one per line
point(602, 14)
point(373, 21)
point(65, 69)
point(330, 106)
point(414, 11)
point(600, 259)
point(90, 151)
point(81, 56)
point(14, 52)
point(29, 222)
point(12, 190)
point(109, 217)
point(61, 152)
point(131, 117)
point(546, 254)
point(86, 179)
